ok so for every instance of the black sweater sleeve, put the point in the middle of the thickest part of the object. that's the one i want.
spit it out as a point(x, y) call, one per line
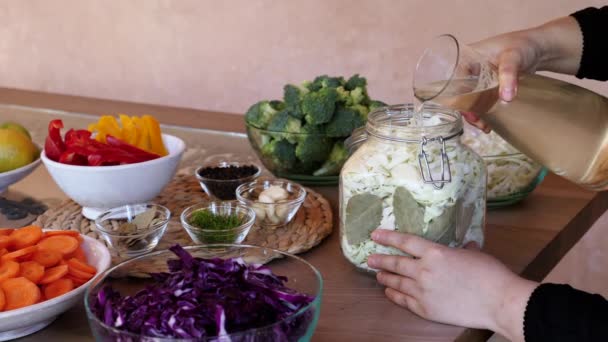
point(558, 312)
point(594, 26)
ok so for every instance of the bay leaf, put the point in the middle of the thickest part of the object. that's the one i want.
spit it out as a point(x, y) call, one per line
point(409, 214)
point(443, 228)
point(363, 215)
point(143, 220)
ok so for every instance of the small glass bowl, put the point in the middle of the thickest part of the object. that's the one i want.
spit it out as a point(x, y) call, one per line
point(271, 215)
point(224, 189)
point(130, 244)
point(208, 236)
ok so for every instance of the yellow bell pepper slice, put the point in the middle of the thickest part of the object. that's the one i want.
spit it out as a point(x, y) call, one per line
point(108, 125)
point(130, 133)
point(156, 139)
point(143, 139)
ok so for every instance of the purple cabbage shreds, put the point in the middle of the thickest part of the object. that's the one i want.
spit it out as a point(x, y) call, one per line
point(202, 298)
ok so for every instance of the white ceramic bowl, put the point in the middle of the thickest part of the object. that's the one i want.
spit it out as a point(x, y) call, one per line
point(21, 322)
point(11, 177)
point(98, 188)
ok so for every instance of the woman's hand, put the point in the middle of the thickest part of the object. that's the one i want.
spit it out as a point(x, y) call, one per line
point(454, 286)
point(555, 46)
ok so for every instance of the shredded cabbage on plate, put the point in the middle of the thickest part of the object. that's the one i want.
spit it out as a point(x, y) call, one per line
point(509, 171)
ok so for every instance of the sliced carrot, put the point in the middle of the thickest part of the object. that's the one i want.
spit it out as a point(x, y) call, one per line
point(77, 281)
point(25, 258)
point(81, 266)
point(19, 253)
point(46, 258)
point(60, 243)
point(26, 236)
point(19, 292)
point(6, 231)
point(5, 241)
point(3, 251)
point(71, 233)
point(58, 287)
point(54, 273)
point(2, 300)
point(8, 269)
point(78, 254)
point(41, 299)
point(32, 271)
point(74, 272)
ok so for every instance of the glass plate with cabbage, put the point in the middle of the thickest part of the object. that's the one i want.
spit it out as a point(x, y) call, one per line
point(511, 174)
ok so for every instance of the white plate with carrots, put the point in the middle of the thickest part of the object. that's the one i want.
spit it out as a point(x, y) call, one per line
point(42, 274)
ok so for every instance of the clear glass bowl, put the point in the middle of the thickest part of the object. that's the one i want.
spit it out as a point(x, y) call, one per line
point(302, 277)
point(276, 214)
point(224, 189)
point(136, 242)
point(292, 170)
point(206, 236)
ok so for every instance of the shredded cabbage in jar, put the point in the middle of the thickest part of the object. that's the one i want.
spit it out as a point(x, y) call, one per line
point(379, 168)
point(509, 171)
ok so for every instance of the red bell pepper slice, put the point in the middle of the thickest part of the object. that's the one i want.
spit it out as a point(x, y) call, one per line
point(54, 145)
point(115, 142)
point(72, 158)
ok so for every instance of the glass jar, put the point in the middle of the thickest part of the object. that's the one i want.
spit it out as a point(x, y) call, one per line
point(414, 175)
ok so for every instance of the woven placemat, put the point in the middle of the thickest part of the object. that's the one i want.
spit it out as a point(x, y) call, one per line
point(310, 226)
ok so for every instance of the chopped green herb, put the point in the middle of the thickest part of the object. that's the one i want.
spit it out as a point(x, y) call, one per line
point(207, 220)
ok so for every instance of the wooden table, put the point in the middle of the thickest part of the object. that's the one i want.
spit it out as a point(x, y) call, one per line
point(530, 237)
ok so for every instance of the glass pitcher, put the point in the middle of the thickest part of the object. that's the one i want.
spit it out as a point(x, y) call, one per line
point(415, 179)
point(558, 124)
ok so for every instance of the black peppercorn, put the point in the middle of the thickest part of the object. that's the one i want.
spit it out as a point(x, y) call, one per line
point(222, 181)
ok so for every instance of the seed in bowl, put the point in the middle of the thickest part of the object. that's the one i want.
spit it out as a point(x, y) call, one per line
point(221, 180)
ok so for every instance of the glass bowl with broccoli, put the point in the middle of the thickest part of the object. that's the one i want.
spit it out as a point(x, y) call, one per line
point(301, 138)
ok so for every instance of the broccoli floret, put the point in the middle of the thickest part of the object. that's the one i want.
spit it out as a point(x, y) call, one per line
point(319, 106)
point(285, 123)
point(292, 95)
point(362, 110)
point(356, 82)
point(358, 96)
point(375, 104)
point(343, 95)
point(277, 105)
point(280, 153)
point(325, 81)
point(313, 148)
point(334, 162)
point(313, 129)
point(260, 114)
point(344, 121)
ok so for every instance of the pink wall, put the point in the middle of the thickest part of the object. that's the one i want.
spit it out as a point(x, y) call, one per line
point(225, 55)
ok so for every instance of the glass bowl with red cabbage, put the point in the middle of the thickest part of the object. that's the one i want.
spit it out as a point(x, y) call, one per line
point(206, 293)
